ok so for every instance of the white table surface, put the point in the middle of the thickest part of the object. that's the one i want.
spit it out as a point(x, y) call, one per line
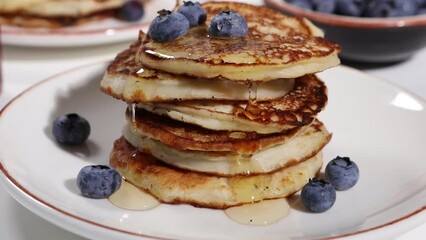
point(25, 66)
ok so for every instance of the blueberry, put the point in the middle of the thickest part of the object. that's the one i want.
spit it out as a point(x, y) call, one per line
point(195, 14)
point(131, 11)
point(306, 4)
point(98, 181)
point(227, 24)
point(328, 6)
point(354, 8)
point(318, 195)
point(421, 11)
point(420, 3)
point(71, 129)
point(391, 8)
point(421, 6)
point(342, 173)
point(168, 26)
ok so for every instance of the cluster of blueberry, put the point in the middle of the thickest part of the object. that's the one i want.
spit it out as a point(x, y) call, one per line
point(365, 8)
point(94, 181)
point(319, 195)
point(131, 11)
point(168, 26)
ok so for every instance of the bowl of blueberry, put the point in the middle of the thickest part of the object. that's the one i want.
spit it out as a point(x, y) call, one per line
point(369, 31)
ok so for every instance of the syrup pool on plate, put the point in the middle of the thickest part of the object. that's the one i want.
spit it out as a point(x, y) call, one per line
point(261, 213)
point(133, 198)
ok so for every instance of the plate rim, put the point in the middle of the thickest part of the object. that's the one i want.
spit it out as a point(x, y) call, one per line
point(82, 37)
point(11, 184)
point(16, 31)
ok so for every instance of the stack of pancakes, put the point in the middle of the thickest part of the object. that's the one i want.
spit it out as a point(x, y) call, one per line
point(222, 122)
point(54, 13)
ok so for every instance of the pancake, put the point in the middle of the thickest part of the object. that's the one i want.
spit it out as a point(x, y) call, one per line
point(184, 136)
point(297, 108)
point(280, 154)
point(276, 47)
point(54, 13)
point(170, 185)
point(130, 81)
point(51, 22)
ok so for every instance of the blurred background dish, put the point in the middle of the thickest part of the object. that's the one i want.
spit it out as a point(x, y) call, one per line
point(366, 39)
point(106, 31)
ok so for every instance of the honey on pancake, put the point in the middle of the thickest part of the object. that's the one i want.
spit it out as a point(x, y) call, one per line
point(250, 109)
point(246, 190)
point(253, 92)
point(132, 107)
point(241, 164)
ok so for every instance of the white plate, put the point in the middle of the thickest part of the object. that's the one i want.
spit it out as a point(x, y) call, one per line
point(378, 125)
point(101, 32)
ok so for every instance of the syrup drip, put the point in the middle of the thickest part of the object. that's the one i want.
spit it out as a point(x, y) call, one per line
point(132, 108)
point(251, 109)
point(261, 213)
point(241, 164)
point(246, 190)
point(252, 89)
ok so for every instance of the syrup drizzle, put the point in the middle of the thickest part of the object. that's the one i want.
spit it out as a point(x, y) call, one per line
point(252, 89)
point(132, 108)
point(246, 189)
point(241, 164)
point(251, 110)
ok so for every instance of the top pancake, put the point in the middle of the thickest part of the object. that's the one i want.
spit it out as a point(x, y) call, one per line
point(133, 82)
point(276, 46)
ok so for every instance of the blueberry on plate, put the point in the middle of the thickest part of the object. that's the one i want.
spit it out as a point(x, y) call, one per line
point(195, 14)
point(98, 181)
point(306, 4)
point(342, 173)
point(328, 6)
point(168, 26)
point(131, 11)
point(71, 129)
point(318, 195)
point(391, 8)
point(228, 24)
point(353, 8)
